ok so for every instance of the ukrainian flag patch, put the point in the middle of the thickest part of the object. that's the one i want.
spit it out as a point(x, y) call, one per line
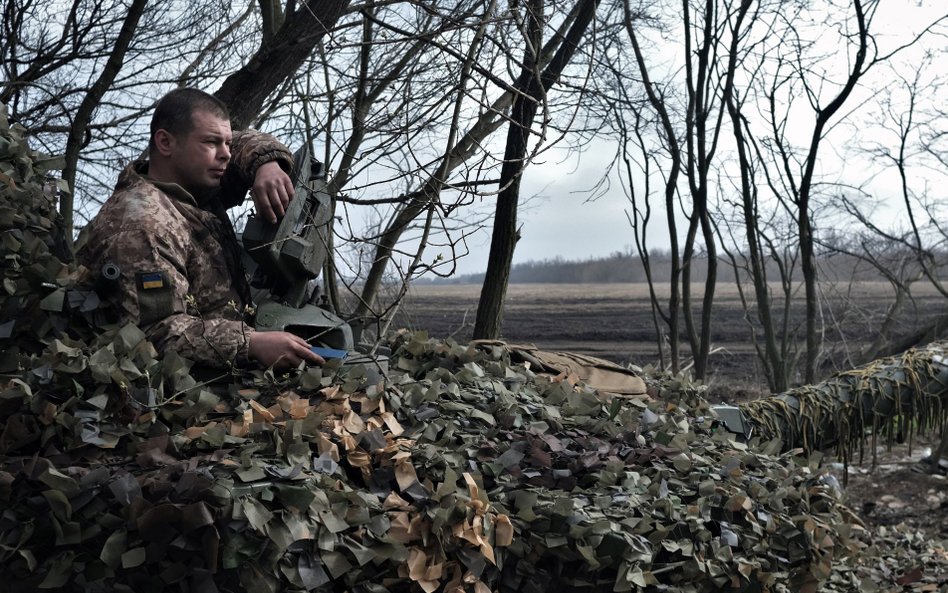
point(151, 280)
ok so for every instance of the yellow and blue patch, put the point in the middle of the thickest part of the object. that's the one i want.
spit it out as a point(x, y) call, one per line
point(155, 297)
point(151, 280)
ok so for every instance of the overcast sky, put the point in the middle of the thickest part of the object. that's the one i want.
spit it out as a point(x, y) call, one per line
point(559, 222)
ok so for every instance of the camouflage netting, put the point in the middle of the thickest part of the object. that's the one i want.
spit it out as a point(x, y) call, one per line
point(895, 397)
point(35, 279)
point(460, 471)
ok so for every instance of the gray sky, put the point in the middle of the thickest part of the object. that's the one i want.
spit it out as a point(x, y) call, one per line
point(559, 222)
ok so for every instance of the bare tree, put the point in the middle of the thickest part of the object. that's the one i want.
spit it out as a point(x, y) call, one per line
point(491, 111)
point(804, 78)
point(290, 33)
point(761, 249)
point(81, 84)
point(902, 148)
point(690, 114)
point(799, 170)
point(83, 115)
point(891, 260)
point(393, 105)
point(775, 353)
point(533, 85)
point(406, 98)
point(744, 64)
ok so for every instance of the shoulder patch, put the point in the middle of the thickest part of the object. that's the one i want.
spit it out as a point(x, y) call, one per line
point(151, 280)
point(155, 296)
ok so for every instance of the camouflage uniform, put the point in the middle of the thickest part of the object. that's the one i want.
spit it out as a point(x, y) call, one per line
point(181, 278)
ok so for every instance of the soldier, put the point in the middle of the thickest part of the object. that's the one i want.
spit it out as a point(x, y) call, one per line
point(166, 229)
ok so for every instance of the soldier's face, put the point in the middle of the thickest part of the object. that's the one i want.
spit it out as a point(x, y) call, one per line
point(199, 159)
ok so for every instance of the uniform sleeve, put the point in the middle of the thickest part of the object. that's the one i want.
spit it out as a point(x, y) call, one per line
point(249, 150)
point(153, 292)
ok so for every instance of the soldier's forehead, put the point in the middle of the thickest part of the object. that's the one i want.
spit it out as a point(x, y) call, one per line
point(210, 122)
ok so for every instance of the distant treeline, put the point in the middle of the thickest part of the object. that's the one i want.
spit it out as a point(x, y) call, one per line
point(625, 267)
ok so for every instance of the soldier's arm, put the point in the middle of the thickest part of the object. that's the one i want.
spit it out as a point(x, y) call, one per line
point(281, 349)
point(272, 191)
point(261, 164)
point(153, 292)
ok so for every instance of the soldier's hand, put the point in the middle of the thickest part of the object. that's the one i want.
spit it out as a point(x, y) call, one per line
point(272, 191)
point(281, 350)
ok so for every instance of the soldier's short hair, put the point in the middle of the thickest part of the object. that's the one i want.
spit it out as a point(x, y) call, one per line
point(173, 111)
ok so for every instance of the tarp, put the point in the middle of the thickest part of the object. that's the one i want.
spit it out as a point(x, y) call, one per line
point(602, 375)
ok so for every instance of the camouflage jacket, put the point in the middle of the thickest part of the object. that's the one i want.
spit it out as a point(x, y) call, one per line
point(181, 279)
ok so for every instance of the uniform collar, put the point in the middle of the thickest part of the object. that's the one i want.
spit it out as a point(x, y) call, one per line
point(138, 170)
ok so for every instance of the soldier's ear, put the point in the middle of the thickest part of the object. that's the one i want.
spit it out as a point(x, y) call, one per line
point(164, 142)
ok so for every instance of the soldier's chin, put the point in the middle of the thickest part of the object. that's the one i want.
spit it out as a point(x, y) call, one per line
point(206, 187)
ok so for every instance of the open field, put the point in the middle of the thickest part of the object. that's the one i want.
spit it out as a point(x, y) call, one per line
point(614, 321)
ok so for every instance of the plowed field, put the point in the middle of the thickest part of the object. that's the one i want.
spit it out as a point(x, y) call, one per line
point(615, 322)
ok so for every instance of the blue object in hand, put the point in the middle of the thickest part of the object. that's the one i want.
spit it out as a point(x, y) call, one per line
point(329, 353)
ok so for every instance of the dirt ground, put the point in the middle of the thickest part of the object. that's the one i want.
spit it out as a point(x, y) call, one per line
point(897, 489)
point(614, 321)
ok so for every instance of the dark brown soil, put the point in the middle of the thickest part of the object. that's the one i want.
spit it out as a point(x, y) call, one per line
point(614, 321)
point(898, 488)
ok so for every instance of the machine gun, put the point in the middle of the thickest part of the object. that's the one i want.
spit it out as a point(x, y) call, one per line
point(285, 258)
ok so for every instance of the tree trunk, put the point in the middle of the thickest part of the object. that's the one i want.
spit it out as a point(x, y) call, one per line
point(656, 100)
point(707, 300)
point(490, 307)
point(774, 366)
point(491, 120)
point(808, 265)
point(278, 58)
point(804, 221)
point(91, 100)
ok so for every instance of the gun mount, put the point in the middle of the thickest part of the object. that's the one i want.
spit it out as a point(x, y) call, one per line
point(285, 259)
